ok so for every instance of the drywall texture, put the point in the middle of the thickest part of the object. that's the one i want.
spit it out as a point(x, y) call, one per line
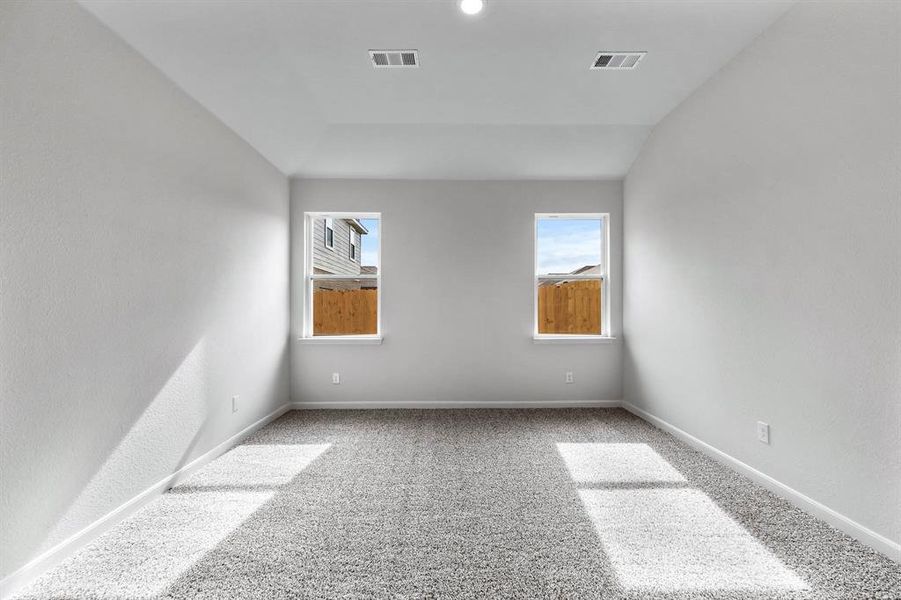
point(143, 277)
point(457, 296)
point(763, 260)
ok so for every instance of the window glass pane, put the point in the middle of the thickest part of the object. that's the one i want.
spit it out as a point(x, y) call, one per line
point(329, 229)
point(572, 306)
point(369, 245)
point(569, 246)
point(345, 307)
point(333, 252)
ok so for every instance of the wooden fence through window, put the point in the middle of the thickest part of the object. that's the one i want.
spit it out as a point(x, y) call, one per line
point(570, 307)
point(345, 312)
point(567, 307)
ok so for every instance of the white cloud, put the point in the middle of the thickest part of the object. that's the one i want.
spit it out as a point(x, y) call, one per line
point(561, 252)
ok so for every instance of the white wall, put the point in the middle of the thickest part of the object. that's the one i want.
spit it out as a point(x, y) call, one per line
point(457, 296)
point(763, 260)
point(143, 277)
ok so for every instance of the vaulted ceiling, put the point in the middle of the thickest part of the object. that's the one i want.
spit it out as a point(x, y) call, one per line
point(504, 94)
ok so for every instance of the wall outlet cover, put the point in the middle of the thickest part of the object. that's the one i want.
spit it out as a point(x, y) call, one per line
point(763, 432)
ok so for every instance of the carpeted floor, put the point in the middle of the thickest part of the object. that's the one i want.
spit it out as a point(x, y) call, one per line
point(567, 503)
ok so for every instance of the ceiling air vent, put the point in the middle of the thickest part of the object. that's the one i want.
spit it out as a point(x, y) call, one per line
point(394, 59)
point(617, 60)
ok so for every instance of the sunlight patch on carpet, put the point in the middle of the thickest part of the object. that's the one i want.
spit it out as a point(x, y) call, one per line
point(616, 463)
point(667, 540)
point(256, 465)
point(147, 553)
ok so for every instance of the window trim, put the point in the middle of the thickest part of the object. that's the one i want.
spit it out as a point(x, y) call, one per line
point(353, 247)
point(309, 277)
point(604, 276)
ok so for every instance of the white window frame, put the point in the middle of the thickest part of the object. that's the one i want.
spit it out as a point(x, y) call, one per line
point(310, 278)
point(354, 249)
point(603, 276)
point(329, 225)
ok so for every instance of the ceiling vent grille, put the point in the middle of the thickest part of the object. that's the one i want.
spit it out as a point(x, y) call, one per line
point(616, 61)
point(394, 59)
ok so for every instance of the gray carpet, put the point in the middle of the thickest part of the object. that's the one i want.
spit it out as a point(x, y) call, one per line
point(568, 503)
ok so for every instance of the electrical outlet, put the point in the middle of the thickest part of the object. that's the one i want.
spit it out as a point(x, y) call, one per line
point(569, 377)
point(763, 432)
point(235, 403)
point(336, 378)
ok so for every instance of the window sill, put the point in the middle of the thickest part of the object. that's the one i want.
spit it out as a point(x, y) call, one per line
point(573, 339)
point(363, 340)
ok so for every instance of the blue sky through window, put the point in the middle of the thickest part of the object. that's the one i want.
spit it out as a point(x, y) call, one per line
point(565, 245)
point(370, 250)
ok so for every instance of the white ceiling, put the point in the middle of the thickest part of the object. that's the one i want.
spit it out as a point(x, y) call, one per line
point(505, 94)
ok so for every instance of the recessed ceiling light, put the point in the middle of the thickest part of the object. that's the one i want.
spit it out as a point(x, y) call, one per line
point(471, 7)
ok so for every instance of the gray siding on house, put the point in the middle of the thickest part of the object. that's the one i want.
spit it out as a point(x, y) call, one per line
point(335, 260)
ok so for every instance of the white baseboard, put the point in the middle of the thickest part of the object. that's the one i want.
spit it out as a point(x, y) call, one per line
point(372, 405)
point(805, 503)
point(58, 553)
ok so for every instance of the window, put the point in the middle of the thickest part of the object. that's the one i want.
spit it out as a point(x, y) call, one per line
point(342, 287)
point(571, 277)
point(329, 233)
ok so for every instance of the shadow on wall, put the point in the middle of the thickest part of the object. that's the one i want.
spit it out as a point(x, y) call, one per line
point(633, 391)
point(89, 467)
point(111, 389)
point(164, 435)
point(161, 440)
point(127, 399)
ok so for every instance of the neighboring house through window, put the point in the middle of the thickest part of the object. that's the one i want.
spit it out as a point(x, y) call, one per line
point(342, 275)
